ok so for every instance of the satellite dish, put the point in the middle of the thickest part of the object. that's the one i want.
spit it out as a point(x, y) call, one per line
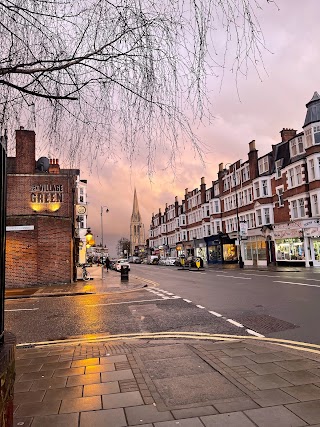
point(43, 164)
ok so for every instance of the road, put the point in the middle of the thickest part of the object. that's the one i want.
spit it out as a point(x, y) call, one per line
point(280, 305)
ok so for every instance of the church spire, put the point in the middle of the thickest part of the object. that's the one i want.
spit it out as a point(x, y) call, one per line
point(136, 217)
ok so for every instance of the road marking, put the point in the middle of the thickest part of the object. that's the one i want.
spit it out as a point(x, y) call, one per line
point(125, 302)
point(235, 277)
point(235, 323)
point(254, 333)
point(200, 306)
point(283, 275)
point(169, 293)
point(187, 300)
point(175, 297)
point(23, 309)
point(298, 284)
point(215, 314)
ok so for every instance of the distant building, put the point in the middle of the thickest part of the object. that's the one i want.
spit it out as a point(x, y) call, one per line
point(137, 235)
point(266, 207)
point(42, 245)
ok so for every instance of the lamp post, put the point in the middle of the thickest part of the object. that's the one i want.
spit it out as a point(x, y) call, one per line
point(101, 212)
point(241, 263)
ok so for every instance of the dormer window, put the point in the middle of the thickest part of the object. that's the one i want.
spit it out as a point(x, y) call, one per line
point(263, 165)
point(278, 168)
point(296, 146)
point(308, 138)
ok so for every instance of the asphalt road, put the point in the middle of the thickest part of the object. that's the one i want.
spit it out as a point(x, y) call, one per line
point(281, 305)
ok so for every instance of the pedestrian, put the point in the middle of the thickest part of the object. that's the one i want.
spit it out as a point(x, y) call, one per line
point(107, 263)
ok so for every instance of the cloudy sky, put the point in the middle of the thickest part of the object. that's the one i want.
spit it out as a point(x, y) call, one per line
point(262, 108)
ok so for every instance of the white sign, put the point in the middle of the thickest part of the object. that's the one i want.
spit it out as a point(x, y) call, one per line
point(81, 210)
point(243, 229)
point(20, 228)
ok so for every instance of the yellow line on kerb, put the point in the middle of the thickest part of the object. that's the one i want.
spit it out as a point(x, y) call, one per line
point(186, 335)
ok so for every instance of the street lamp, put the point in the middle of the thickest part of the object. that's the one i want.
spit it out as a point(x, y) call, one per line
point(101, 212)
point(241, 263)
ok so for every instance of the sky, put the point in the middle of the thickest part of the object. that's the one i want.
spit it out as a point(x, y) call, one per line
point(257, 107)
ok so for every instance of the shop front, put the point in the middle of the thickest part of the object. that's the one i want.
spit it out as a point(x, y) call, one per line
point(255, 249)
point(292, 245)
point(221, 249)
point(200, 249)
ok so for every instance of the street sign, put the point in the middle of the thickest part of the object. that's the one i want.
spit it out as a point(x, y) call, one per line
point(243, 230)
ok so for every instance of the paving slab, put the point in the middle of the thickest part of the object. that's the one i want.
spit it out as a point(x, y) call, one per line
point(304, 392)
point(122, 400)
point(189, 422)
point(235, 405)
point(277, 416)
point(272, 357)
point(308, 411)
point(63, 420)
point(113, 359)
point(63, 393)
point(235, 419)
point(93, 369)
point(299, 377)
point(273, 397)
point(193, 412)
point(28, 397)
point(69, 372)
point(92, 403)
point(23, 386)
point(264, 382)
point(31, 376)
point(125, 374)
point(34, 409)
point(48, 383)
point(22, 421)
point(203, 388)
point(236, 361)
point(104, 418)
point(164, 352)
point(100, 389)
point(83, 379)
point(266, 368)
point(238, 352)
point(85, 362)
point(137, 415)
point(298, 365)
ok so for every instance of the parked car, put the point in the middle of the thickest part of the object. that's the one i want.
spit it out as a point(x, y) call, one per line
point(121, 262)
point(171, 261)
point(134, 260)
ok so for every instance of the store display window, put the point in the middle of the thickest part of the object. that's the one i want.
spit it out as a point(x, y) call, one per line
point(290, 250)
point(230, 252)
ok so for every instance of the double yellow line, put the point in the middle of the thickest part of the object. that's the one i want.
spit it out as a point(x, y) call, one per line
point(296, 345)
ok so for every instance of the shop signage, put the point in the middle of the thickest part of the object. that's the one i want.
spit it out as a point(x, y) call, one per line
point(243, 230)
point(81, 210)
point(46, 193)
point(19, 227)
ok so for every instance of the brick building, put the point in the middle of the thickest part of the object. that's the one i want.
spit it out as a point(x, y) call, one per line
point(266, 207)
point(41, 201)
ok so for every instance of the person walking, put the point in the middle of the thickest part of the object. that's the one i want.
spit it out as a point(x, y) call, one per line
point(107, 263)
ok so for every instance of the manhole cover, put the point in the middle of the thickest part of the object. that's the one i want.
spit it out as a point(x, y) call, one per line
point(265, 324)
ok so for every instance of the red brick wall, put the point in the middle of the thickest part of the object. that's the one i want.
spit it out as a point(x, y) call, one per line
point(40, 256)
point(25, 151)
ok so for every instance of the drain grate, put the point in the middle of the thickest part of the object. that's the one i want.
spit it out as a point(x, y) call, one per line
point(265, 324)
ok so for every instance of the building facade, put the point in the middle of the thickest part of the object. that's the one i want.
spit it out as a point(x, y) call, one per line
point(266, 207)
point(41, 199)
point(137, 235)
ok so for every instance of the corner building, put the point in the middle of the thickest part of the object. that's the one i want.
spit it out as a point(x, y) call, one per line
point(41, 199)
point(266, 207)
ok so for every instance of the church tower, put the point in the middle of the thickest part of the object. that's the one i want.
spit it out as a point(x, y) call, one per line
point(136, 226)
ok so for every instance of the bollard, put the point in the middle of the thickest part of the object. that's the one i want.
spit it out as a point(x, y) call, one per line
point(124, 271)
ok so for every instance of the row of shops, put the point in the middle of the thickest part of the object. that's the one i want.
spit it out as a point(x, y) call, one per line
point(294, 243)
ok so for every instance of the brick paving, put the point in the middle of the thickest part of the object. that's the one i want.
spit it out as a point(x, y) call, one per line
point(239, 383)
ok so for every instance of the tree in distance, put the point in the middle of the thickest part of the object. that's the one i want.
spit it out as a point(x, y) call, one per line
point(94, 75)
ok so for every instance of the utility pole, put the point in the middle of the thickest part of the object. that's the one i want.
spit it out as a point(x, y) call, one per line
point(3, 204)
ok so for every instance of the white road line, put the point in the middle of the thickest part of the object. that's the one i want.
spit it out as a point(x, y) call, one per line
point(215, 314)
point(169, 293)
point(235, 323)
point(187, 300)
point(175, 297)
point(200, 306)
point(124, 302)
point(254, 333)
point(235, 277)
point(23, 309)
point(298, 284)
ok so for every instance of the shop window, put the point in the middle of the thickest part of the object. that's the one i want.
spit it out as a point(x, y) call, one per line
point(229, 252)
point(261, 250)
point(248, 249)
point(290, 250)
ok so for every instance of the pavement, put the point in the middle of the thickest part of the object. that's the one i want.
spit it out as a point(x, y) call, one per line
point(109, 282)
point(186, 382)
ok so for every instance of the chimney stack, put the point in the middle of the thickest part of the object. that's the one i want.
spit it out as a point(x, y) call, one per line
point(25, 151)
point(220, 167)
point(287, 134)
point(252, 145)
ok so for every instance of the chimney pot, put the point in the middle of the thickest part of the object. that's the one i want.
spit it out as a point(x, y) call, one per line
point(202, 180)
point(252, 145)
point(220, 167)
